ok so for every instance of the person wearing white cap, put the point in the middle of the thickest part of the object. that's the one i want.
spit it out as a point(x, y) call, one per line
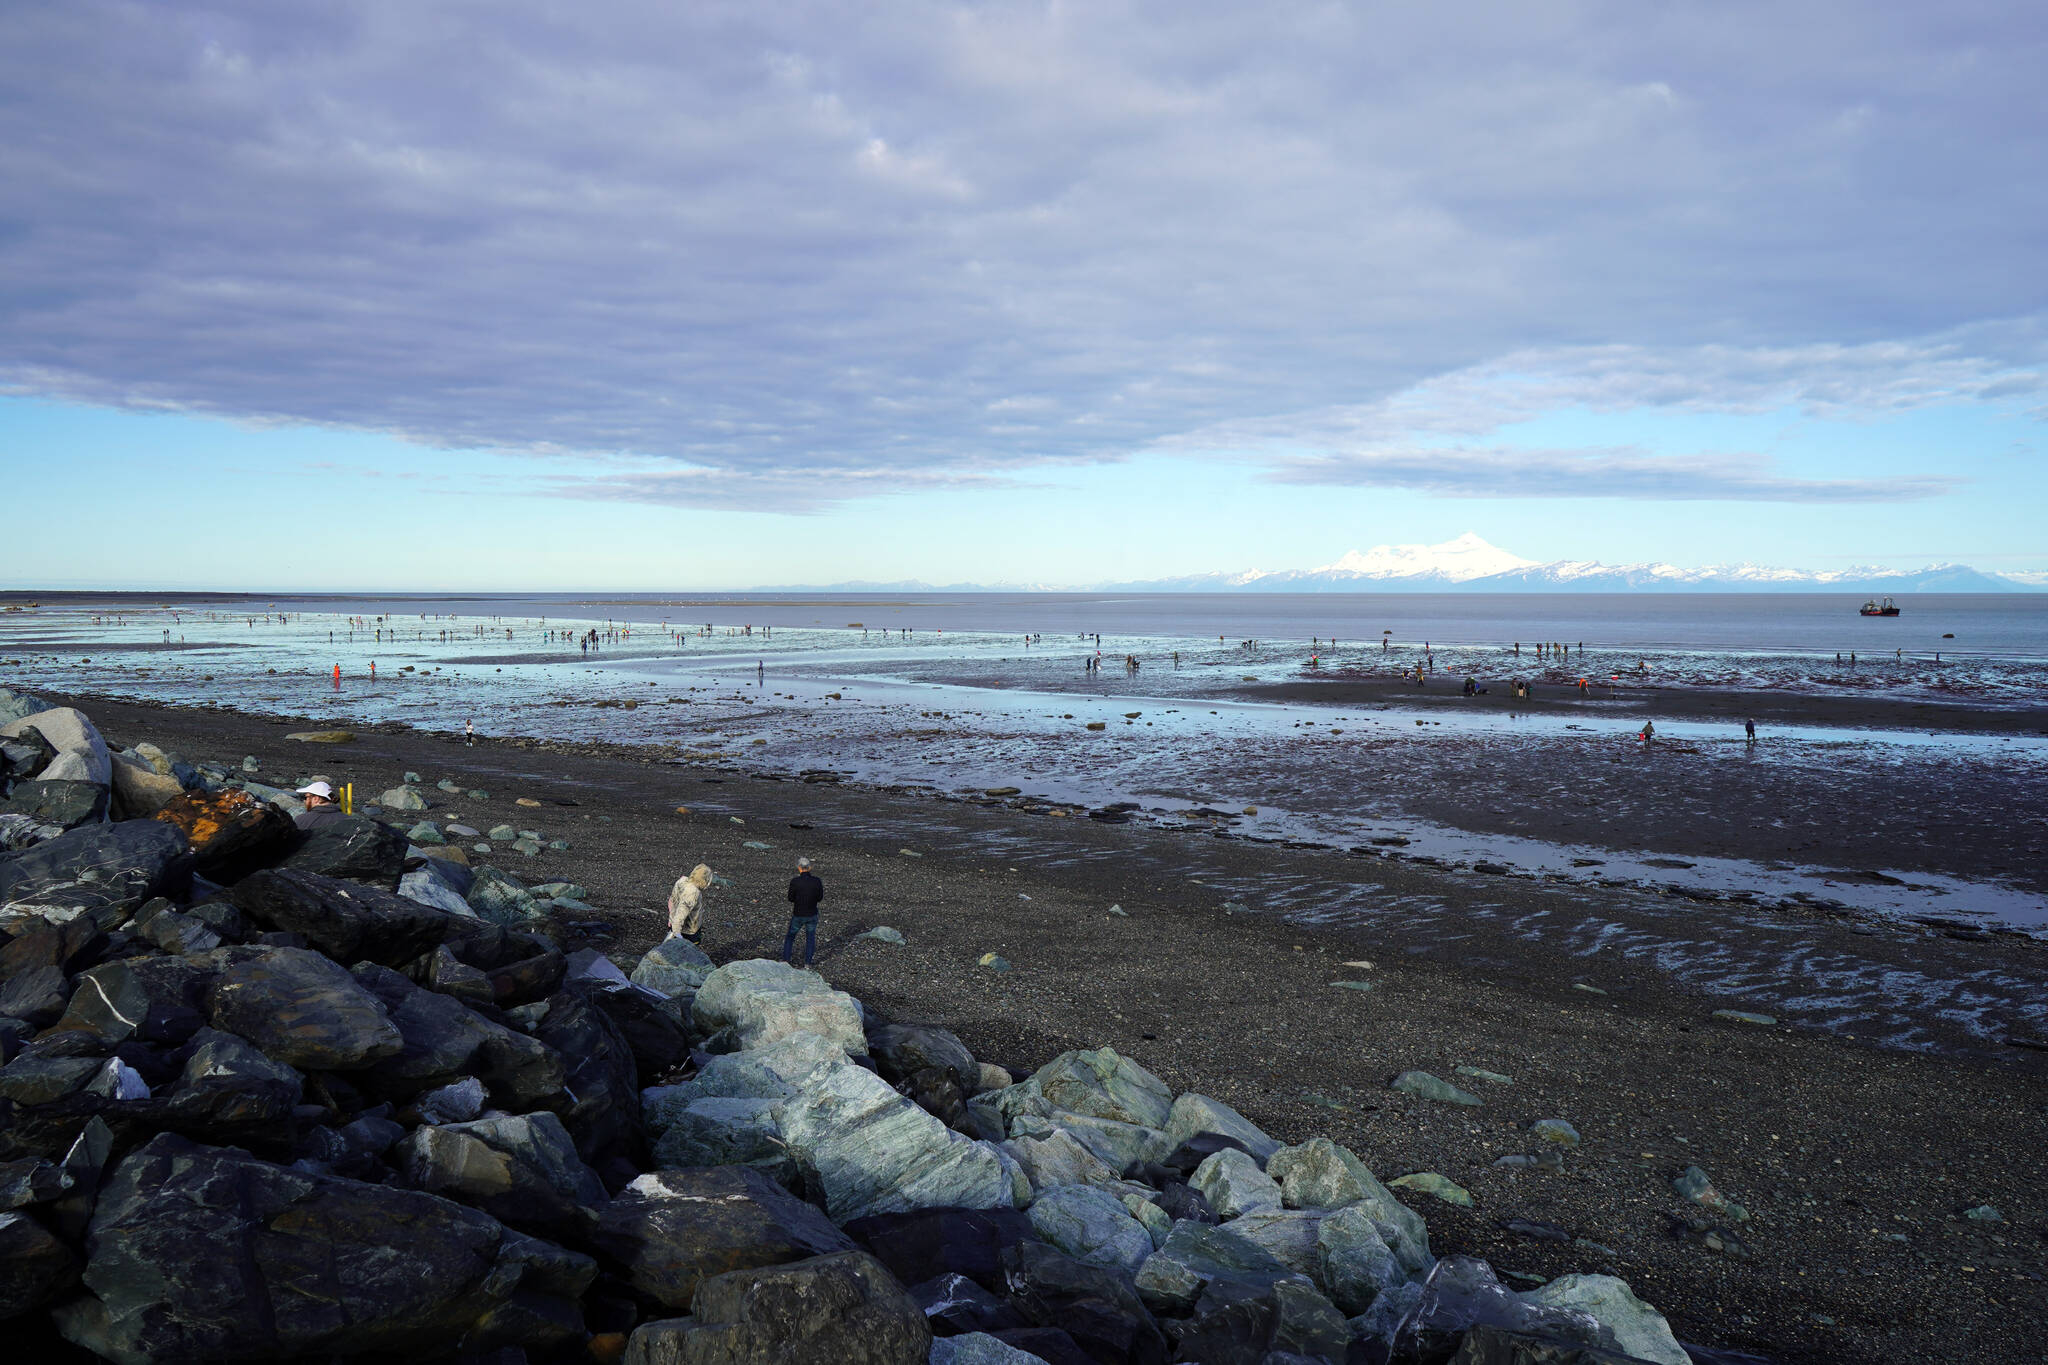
point(321, 807)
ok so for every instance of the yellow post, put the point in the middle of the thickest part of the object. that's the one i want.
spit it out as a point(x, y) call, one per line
point(348, 798)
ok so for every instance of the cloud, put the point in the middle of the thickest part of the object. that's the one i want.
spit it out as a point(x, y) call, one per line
point(1624, 473)
point(916, 239)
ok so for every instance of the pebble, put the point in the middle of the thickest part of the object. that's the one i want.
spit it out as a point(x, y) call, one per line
point(995, 962)
point(412, 779)
point(1479, 1075)
point(1429, 1182)
point(525, 801)
point(1984, 1213)
point(1422, 1085)
point(1590, 990)
point(910, 853)
point(757, 843)
point(1556, 1131)
point(1694, 1185)
point(1353, 985)
point(476, 795)
point(882, 933)
point(1119, 912)
point(1745, 1017)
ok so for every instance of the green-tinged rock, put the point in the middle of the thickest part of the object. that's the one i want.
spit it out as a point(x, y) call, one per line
point(1104, 1084)
point(995, 962)
point(1092, 1226)
point(425, 834)
point(1288, 1235)
point(1638, 1329)
point(978, 1348)
point(1429, 1182)
point(1320, 1174)
point(1353, 985)
point(1173, 1277)
point(1424, 1086)
point(1060, 1157)
point(1192, 1114)
point(764, 1001)
point(673, 967)
point(501, 834)
point(832, 1310)
point(1233, 1184)
point(302, 1009)
point(1589, 990)
point(1491, 1077)
point(1745, 1017)
point(1354, 1264)
point(402, 798)
point(1694, 1185)
point(1554, 1131)
point(1155, 1220)
point(1984, 1213)
point(882, 933)
point(723, 1132)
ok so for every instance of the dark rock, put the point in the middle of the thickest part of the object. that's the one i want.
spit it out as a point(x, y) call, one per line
point(70, 945)
point(13, 1033)
point(954, 1304)
point(207, 1253)
point(127, 863)
point(153, 999)
point(34, 1080)
point(529, 979)
point(221, 916)
point(56, 801)
point(232, 833)
point(902, 1050)
point(835, 1310)
point(520, 1168)
point(229, 1092)
point(1461, 1294)
point(1199, 1148)
point(349, 922)
point(1238, 1323)
point(442, 971)
point(671, 1230)
point(1487, 1345)
point(303, 1010)
point(936, 1092)
point(653, 1028)
point(1049, 1344)
point(354, 848)
point(34, 1265)
point(445, 1040)
point(30, 1180)
point(176, 933)
point(603, 1086)
point(36, 997)
point(1183, 1202)
point(1096, 1306)
point(925, 1243)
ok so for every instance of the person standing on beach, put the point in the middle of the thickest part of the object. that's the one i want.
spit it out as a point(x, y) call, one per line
point(469, 732)
point(686, 904)
point(806, 894)
point(1749, 730)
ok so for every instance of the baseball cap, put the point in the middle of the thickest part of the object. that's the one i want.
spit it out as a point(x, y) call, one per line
point(319, 789)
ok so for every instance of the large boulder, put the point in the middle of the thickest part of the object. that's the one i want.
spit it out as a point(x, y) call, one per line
point(104, 871)
point(1060, 1157)
point(1638, 1328)
point(207, 1253)
point(1193, 1114)
point(1288, 1320)
point(34, 1265)
point(765, 1001)
point(872, 1151)
point(445, 1041)
point(301, 1009)
point(673, 967)
point(348, 921)
point(140, 791)
point(1094, 1305)
point(1098, 1084)
point(1195, 1255)
point(1233, 1184)
point(1461, 1293)
point(57, 803)
point(1092, 1226)
point(158, 1000)
point(842, 1309)
point(354, 848)
point(901, 1051)
point(231, 832)
point(81, 754)
point(924, 1243)
point(726, 1132)
point(520, 1168)
point(671, 1230)
point(653, 1027)
point(231, 1093)
point(1320, 1174)
point(602, 1085)
point(1354, 1264)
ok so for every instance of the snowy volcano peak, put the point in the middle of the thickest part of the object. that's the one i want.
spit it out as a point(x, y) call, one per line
point(1454, 561)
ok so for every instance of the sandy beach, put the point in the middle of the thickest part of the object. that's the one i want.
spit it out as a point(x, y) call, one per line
point(1905, 1081)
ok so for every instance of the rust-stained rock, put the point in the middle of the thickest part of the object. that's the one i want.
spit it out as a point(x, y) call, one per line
point(232, 832)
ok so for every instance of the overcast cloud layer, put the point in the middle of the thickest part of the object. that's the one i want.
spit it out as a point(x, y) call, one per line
point(787, 253)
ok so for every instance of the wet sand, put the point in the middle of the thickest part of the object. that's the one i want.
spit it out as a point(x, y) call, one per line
point(1857, 1132)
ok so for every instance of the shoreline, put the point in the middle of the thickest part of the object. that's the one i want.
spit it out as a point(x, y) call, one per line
point(1824, 1134)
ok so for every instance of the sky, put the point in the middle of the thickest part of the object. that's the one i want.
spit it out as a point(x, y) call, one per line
point(645, 295)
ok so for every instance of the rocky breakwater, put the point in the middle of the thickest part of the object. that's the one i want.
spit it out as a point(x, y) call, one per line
point(275, 1097)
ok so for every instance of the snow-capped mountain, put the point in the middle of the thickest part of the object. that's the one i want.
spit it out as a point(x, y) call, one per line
point(1470, 564)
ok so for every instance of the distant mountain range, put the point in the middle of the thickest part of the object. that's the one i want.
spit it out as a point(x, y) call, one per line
point(1470, 564)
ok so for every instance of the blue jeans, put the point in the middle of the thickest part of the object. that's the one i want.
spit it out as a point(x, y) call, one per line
point(809, 925)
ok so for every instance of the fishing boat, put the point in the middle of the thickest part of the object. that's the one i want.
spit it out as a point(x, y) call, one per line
point(1876, 608)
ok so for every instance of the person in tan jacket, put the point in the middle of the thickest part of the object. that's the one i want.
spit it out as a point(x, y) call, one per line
point(686, 904)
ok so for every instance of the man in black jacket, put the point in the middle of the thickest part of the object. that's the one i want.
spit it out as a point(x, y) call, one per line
point(806, 893)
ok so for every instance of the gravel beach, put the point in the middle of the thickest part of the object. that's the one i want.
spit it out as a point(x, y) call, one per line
point(1904, 1084)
